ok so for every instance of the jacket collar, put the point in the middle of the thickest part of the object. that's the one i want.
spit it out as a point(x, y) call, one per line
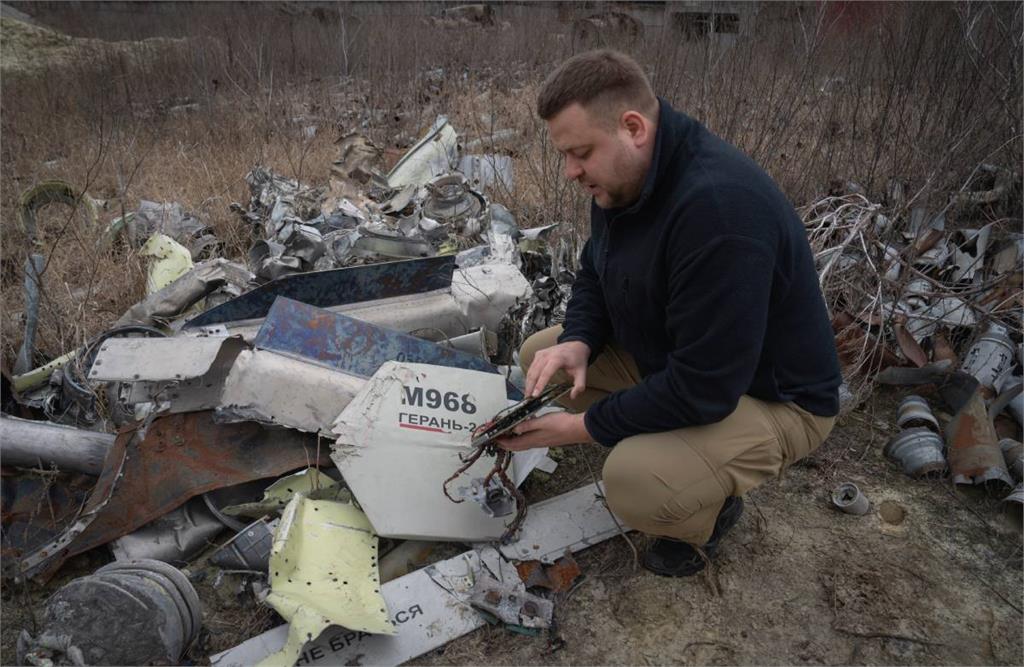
point(671, 134)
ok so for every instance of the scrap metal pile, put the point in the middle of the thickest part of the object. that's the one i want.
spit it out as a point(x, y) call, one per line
point(913, 303)
point(379, 314)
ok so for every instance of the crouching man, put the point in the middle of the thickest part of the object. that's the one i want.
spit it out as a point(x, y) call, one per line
point(696, 339)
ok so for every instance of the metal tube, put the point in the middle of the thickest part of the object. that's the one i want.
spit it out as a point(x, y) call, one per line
point(31, 444)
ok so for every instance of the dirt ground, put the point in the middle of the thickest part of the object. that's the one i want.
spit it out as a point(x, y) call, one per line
point(931, 575)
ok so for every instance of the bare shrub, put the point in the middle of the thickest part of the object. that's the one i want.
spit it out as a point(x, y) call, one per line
point(179, 102)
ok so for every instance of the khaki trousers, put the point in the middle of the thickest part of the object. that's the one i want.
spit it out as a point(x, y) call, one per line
point(674, 483)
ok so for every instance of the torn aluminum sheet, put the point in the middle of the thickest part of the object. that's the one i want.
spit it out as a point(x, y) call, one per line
point(175, 299)
point(431, 156)
point(973, 449)
point(175, 538)
point(341, 343)
point(26, 443)
point(510, 605)
point(276, 199)
point(401, 437)
point(378, 241)
point(949, 311)
point(486, 293)
point(170, 395)
point(159, 359)
point(480, 343)
point(424, 297)
point(323, 572)
point(168, 218)
point(170, 260)
point(428, 609)
point(336, 287)
point(502, 595)
point(398, 202)
point(178, 374)
point(146, 475)
point(968, 252)
point(573, 521)
point(487, 171)
point(267, 260)
point(249, 549)
point(310, 482)
point(273, 389)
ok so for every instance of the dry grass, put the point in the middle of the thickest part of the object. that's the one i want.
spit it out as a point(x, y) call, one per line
point(920, 93)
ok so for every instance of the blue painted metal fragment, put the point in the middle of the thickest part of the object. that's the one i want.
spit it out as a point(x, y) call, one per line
point(336, 287)
point(344, 343)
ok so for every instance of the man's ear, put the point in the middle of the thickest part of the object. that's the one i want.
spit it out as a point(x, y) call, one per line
point(637, 126)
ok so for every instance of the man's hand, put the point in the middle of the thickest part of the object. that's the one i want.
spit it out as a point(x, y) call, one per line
point(570, 357)
point(552, 430)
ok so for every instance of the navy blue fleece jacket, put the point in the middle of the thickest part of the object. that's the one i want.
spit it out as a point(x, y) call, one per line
point(709, 282)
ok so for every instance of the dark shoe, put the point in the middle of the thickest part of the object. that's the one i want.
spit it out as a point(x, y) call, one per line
point(671, 558)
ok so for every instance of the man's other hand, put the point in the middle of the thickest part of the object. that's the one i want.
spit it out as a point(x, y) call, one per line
point(552, 430)
point(570, 357)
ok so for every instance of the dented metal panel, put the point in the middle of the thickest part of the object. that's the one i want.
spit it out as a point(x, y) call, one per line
point(152, 359)
point(271, 388)
point(573, 521)
point(340, 342)
point(146, 475)
point(400, 439)
point(336, 287)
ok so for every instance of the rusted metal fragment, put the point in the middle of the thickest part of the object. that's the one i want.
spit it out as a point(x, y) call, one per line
point(859, 349)
point(974, 455)
point(909, 346)
point(558, 576)
point(179, 457)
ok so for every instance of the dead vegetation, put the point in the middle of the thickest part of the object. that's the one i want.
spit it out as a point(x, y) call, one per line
point(917, 94)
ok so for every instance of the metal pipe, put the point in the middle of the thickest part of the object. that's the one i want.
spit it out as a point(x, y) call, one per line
point(32, 444)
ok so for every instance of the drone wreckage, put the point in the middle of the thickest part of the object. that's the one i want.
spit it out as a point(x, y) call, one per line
point(202, 411)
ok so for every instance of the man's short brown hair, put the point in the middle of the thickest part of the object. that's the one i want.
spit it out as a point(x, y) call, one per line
point(605, 82)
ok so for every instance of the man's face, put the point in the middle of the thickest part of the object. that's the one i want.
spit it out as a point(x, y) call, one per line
point(609, 163)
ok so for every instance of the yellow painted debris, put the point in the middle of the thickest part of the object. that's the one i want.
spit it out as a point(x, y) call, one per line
point(323, 571)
